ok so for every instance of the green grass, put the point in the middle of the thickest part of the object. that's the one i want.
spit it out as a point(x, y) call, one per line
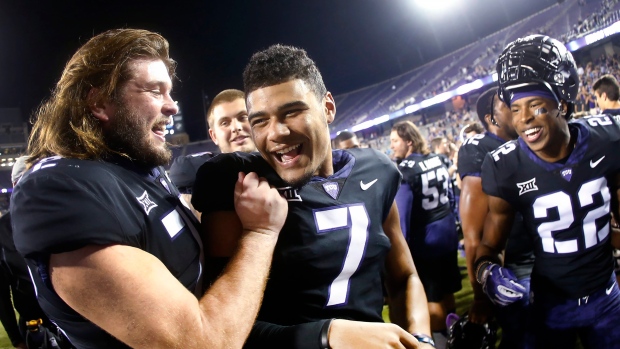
point(463, 298)
point(5, 343)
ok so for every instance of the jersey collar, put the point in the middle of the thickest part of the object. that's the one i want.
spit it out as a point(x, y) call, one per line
point(343, 165)
point(581, 146)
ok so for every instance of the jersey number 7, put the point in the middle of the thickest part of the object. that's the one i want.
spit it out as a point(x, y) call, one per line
point(355, 218)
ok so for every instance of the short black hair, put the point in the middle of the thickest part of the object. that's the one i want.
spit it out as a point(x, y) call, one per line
point(343, 136)
point(474, 127)
point(279, 64)
point(485, 105)
point(607, 84)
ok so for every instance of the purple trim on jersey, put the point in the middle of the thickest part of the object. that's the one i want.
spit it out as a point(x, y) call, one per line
point(496, 137)
point(611, 111)
point(530, 91)
point(404, 203)
point(472, 174)
point(343, 165)
point(581, 146)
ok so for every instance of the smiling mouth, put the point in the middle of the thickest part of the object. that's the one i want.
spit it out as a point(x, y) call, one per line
point(239, 139)
point(532, 134)
point(159, 130)
point(288, 154)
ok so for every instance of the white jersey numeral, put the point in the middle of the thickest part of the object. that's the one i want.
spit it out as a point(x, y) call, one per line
point(503, 149)
point(596, 120)
point(356, 219)
point(562, 202)
point(435, 192)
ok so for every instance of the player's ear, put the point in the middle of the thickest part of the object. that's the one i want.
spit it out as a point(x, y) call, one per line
point(212, 135)
point(563, 108)
point(487, 119)
point(329, 107)
point(100, 109)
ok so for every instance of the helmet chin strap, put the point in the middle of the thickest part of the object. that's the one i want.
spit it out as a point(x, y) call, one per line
point(494, 122)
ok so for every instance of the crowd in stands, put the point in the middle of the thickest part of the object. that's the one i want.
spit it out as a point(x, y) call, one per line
point(451, 123)
point(484, 64)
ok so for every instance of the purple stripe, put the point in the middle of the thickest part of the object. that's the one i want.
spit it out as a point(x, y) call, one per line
point(532, 93)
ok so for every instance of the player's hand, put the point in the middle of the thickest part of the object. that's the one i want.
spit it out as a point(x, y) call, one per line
point(501, 285)
point(345, 334)
point(481, 311)
point(259, 207)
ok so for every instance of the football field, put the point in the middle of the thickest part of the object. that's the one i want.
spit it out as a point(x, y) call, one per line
point(463, 298)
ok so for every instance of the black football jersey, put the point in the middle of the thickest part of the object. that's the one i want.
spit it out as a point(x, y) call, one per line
point(565, 205)
point(519, 250)
point(330, 253)
point(183, 170)
point(62, 204)
point(428, 178)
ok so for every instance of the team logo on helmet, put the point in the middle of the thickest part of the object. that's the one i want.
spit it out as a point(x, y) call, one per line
point(538, 60)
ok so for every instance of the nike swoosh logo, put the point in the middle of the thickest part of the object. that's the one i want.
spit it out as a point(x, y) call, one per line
point(608, 290)
point(367, 185)
point(594, 163)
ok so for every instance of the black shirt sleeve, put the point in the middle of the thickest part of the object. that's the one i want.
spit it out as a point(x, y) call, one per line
point(214, 187)
point(302, 336)
point(55, 213)
point(470, 161)
point(489, 180)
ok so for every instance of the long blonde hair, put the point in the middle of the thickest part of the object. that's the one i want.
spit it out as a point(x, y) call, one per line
point(409, 132)
point(64, 125)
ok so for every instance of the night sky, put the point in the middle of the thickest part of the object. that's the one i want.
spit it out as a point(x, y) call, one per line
point(354, 42)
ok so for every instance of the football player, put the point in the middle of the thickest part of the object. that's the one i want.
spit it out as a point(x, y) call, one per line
point(346, 140)
point(228, 122)
point(115, 257)
point(342, 235)
point(229, 129)
point(563, 177)
point(427, 222)
point(496, 118)
point(607, 92)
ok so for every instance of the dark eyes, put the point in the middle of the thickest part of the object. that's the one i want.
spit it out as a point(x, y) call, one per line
point(257, 122)
point(293, 112)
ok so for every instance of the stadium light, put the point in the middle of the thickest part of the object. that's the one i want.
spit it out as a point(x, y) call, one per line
point(474, 85)
point(435, 5)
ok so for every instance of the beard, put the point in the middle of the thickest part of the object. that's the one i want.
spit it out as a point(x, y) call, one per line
point(130, 134)
point(300, 182)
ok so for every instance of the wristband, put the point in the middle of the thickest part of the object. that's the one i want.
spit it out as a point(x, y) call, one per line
point(480, 264)
point(422, 338)
point(323, 337)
